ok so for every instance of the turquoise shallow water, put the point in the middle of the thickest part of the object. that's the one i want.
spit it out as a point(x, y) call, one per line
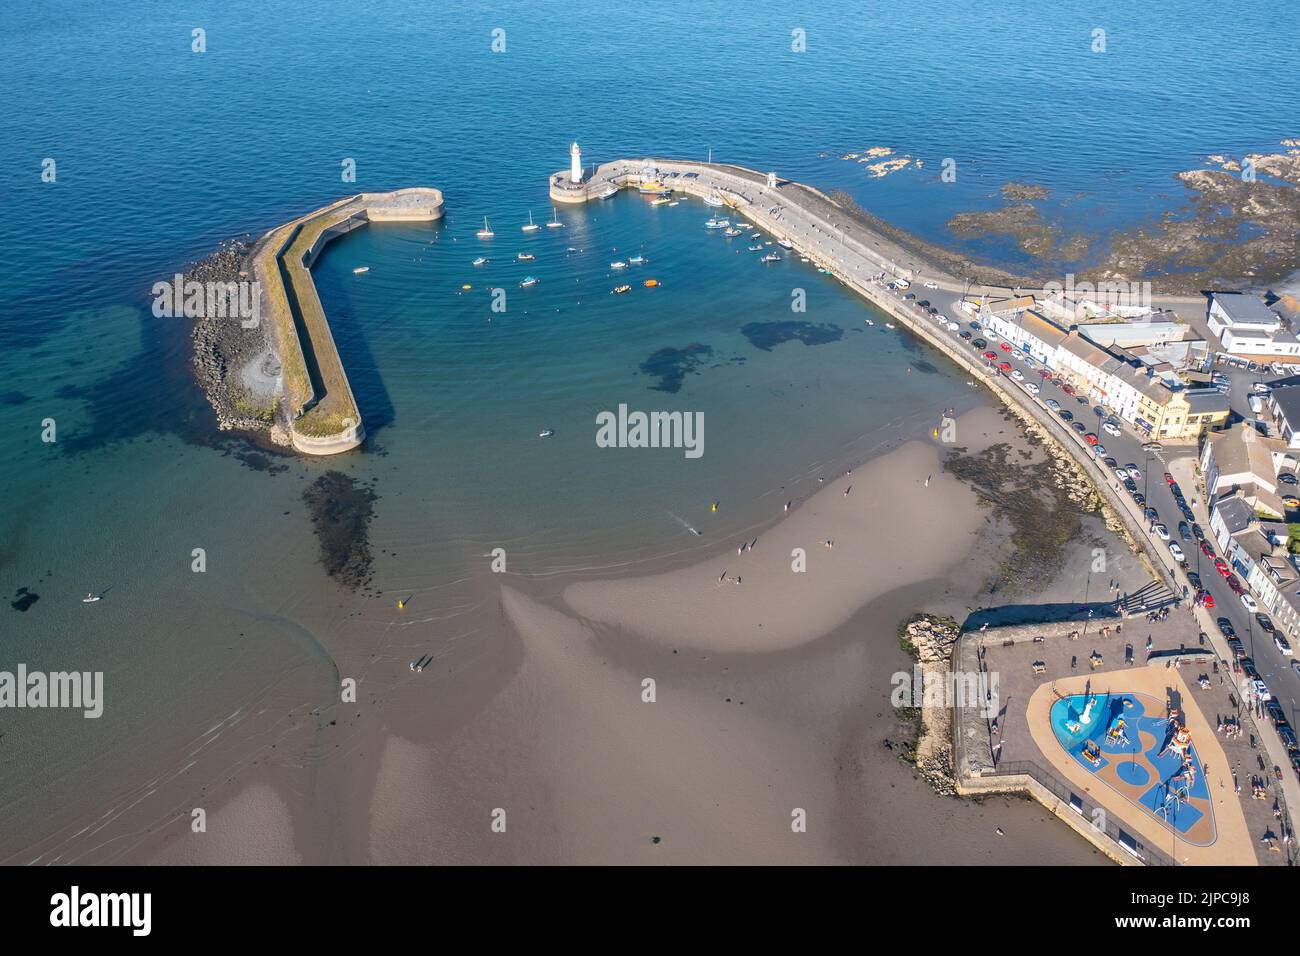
point(162, 152)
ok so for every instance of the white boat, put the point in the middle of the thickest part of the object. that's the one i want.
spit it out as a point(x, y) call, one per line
point(785, 243)
point(360, 269)
point(868, 321)
point(889, 325)
point(525, 257)
point(545, 433)
point(758, 248)
point(716, 223)
point(481, 261)
point(744, 225)
point(661, 201)
point(756, 235)
point(713, 199)
point(90, 599)
point(637, 260)
point(618, 265)
point(528, 281)
point(532, 226)
point(771, 257)
point(731, 233)
point(673, 203)
point(486, 232)
point(608, 191)
point(555, 220)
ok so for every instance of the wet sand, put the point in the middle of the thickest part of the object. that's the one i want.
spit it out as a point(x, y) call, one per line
point(749, 728)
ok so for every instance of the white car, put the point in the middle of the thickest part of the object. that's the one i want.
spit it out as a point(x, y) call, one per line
point(1261, 690)
point(1248, 603)
point(1134, 472)
point(1177, 552)
point(1053, 404)
point(1031, 388)
point(954, 327)
point(1121, 474)
point(1282, 644)
point(1162, 533)
point(1111, 429)
point(1015, 373)
point(932, 285)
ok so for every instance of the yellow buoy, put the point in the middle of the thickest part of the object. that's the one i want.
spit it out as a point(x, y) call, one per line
point(467, 286)
point(400, 604)
point(936, 433)
point(715, 507)
point(651, 283)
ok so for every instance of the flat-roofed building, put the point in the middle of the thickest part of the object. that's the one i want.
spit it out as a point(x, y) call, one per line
point(1246, 326)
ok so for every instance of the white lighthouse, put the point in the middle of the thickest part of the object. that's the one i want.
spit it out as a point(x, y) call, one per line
point(575, 163)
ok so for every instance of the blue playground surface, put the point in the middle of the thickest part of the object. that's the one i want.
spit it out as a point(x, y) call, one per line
point(1128, 758)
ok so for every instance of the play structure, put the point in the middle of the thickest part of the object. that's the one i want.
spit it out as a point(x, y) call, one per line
point(1143, 751)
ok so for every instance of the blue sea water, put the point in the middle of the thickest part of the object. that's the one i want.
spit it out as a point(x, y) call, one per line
point(162, 152)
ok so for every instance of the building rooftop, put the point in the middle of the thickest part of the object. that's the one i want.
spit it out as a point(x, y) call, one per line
point(1235, 513)
point(1206, 401)
point(1242, 307)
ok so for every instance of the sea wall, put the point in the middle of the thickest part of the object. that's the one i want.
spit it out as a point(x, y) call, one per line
point(321, 410)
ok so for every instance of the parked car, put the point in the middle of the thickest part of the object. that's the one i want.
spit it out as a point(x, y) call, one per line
point(1134, 471)
point(1184, 531)
point(1206, 598)
point(1161, 531)
point(1195, 579)
point(1031, 388)
point(1066, 414)
point(1151, 514)
point(1090, 438)
point(1288, 478)
point(1198, 532)
point(1282, 644)
point(1121, 474)
point(1248, 603)
point(1111, 429)
point(1053, 404)
point(1153, 446)
point(1177, 552)
point(1226, 628)
point(1206, 549)
point(1265, 623)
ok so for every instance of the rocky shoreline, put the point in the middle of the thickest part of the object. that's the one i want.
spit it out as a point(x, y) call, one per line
point(930, 640)
point(236, 367)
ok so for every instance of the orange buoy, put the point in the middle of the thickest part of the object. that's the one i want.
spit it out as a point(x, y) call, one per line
point(651, 283)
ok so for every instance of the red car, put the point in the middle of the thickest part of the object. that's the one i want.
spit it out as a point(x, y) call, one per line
point(1206, 598)
point(1067, 388)
point(1169, 479)
point(1222, 567)
point(1044, 373)
point(1090, 438)
point(990, 355)
point(1005, 347)
point(1206, 549)
point(1234, 584)
point(1005, 366)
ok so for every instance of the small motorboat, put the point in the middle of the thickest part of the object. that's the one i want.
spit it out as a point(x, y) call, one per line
point(713, 199)
point(618, 265)
point(608, 191)
point(756, 235)
point(555, 220)
point(716, 223)
point(824, 271)
point(620, 290)
point(731, 233)
point(486, 232)
point(889, 325)
point(743, 225)
point(673, 203)
point(546, 433)
point(528, 282)
point(868, 321)
point(481, 261)
point(360, 270)
point(532, 226)
point(771, 257)
point(525, 257)
point(785, 243)
point(90, 599)
point(637, 260)
point(661, 201)
point(803, 259)
point(757, 248)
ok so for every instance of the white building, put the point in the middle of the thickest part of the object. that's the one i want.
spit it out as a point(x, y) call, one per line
point(575, 163)
point(1246, 326)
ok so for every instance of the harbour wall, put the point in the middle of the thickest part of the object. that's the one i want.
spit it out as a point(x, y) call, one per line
point(322, 413)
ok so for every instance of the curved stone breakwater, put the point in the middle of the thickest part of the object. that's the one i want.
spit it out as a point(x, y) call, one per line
point(286, 374)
